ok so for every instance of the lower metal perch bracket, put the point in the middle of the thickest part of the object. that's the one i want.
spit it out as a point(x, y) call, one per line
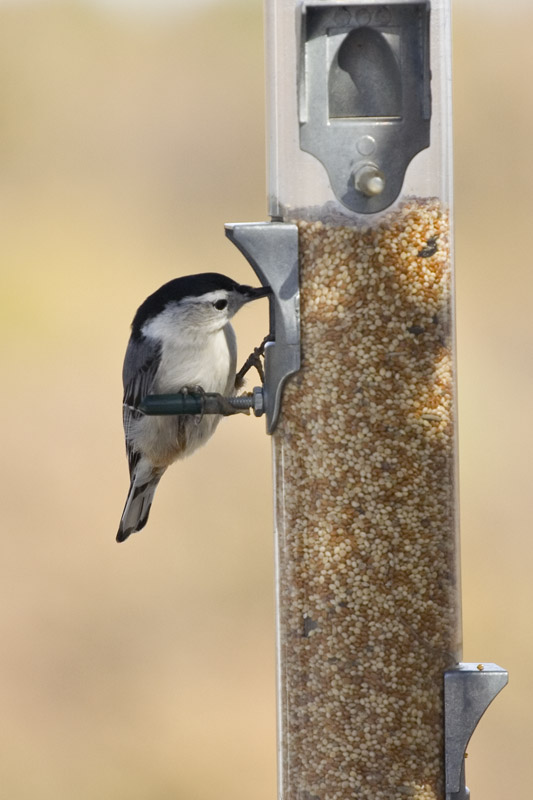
point(468, 691)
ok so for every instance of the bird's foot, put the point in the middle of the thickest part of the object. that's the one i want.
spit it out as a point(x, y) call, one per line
point(253, 360)
point(195, 389)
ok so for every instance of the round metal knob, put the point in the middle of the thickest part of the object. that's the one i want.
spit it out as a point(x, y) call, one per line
point(369, 180)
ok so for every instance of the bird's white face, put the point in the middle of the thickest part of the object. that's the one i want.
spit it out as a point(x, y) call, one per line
point(195, 317)
point(213, 309)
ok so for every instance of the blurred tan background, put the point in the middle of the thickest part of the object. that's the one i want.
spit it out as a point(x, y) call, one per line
point(146, 670)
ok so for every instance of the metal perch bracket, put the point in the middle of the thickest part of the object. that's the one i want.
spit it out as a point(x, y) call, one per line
point(469, 689)
point(271, 248)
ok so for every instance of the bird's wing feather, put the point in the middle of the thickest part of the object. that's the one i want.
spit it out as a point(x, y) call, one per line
point(140, 367)
point(138, 375)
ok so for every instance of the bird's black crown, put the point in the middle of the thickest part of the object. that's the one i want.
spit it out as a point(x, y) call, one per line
point(176, 290)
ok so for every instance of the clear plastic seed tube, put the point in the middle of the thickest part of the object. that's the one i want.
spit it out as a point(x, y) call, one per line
point(365, 449)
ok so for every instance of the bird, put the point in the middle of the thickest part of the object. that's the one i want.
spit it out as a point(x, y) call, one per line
point(181, 339)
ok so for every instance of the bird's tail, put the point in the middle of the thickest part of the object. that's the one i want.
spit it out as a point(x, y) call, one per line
point(139, 501)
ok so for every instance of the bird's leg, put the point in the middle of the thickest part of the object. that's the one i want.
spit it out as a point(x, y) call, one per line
point(253, 360)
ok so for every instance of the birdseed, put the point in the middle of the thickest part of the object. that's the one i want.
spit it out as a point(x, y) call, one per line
point(366, 512)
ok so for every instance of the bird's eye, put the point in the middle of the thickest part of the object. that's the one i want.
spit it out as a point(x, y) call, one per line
point(220, 304)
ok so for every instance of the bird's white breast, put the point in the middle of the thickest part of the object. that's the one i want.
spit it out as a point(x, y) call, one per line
point(206, 361)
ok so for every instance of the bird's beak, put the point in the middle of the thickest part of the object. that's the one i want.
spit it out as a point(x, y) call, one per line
point(253, 293)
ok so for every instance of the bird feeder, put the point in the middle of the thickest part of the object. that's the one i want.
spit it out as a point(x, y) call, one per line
point(360, 398)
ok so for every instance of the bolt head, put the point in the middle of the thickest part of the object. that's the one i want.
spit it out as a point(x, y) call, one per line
point(258, 401)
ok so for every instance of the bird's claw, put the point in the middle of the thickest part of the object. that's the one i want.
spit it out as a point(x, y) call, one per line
point(253, 360)
point(186, 390)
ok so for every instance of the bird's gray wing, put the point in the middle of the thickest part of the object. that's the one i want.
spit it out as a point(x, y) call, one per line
point(138, 375)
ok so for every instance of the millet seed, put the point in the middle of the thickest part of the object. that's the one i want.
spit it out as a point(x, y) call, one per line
point(366, 512)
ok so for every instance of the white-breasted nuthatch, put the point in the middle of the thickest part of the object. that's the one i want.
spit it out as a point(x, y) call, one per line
point(181, 338)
